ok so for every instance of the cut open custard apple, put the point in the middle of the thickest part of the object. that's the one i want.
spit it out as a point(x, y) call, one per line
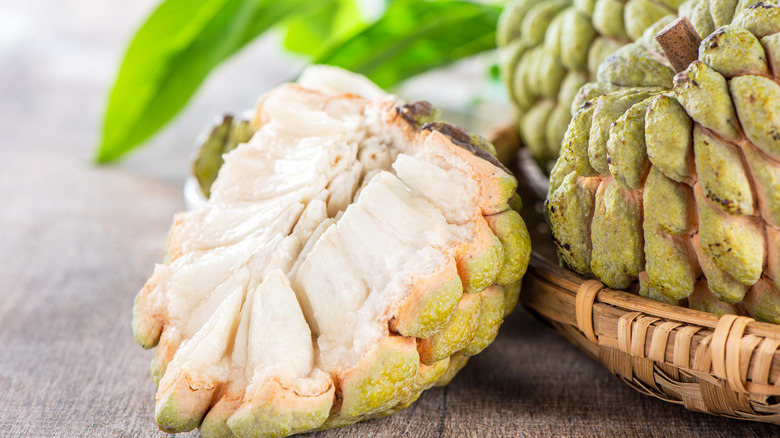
point(676, 191)
point(351, 254)
point(550, 48)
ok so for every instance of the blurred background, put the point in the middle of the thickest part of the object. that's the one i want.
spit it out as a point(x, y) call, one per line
point(59, 61)
point(78, 240)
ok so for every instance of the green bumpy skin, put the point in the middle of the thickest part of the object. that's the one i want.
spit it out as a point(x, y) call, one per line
point(570, 89)
point(457, 362)
point(641, 14)
point(767, 174)
point(538, 18)
point(491, 314)
point(508, 28)
point(511, 296)
point(577, 34)
point(570, 211)
point(722, 285)
point(608, 18)
point(668, 259)
point(480, 270)
point(549, 49)
point(724, 47)
point(668, 138)
point(722, 176)
point(626, 151)
point(757, 101)
point(616, 235)
point(586, 7)
point(722, 11)
point(763, 302)
point(511, 231)
point(508, 57)
point(534, 138)
point(608, 109)
point(431, 312)
point(760, 19)
point(648, 291)
point(555, 130)
point(391, 376)
point(601, 49)
point(269, 418)
point(688, 199)
point(771, 44)
point(456, 335)
point(575, 142)
point(182, 407)
point(590, 91)
point(705, 96)
point(634, 65)
point(698, 11)
point(735, 244)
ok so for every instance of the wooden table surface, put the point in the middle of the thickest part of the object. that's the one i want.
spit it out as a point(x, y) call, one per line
point(77, 242)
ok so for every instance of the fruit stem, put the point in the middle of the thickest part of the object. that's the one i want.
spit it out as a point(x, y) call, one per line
point(680, 43)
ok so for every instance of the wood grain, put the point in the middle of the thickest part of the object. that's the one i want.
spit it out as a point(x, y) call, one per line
point(78, 241)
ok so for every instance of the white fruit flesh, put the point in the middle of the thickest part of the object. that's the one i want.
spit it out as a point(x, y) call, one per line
point(316, 234)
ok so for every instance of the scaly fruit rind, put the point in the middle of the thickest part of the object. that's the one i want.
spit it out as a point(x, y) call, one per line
point(511, 231)
point(456, 335)
point(278, 411)
point(735, 243)
point(491, 314)
point(617, 257)
point(757, 101)
point(434, 299)
point(733, 51)
point(570, 211)
point(385, 375)
point(480, 266)
point(704, 94)
point(181, 407)
point(457, 362)
point(668, 138)
point(626, 151)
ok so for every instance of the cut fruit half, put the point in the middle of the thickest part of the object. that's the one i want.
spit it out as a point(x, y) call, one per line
point(350, 255)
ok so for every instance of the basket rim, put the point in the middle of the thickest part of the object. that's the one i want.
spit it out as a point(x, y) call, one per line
point(570, 282)
point(736, 352)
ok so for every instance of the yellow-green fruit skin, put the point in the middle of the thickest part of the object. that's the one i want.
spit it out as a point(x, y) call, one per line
point(677, 195)
point(548, 49)
point(511, 231)
point(390, 377)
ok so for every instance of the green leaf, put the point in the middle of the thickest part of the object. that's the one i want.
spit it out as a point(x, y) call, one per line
point(416, 36)
point(172, 54)
point(331, 22)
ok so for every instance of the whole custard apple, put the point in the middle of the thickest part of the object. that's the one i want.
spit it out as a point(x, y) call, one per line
point(675, 190)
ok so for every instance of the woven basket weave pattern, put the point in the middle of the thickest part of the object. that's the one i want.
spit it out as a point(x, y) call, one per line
point(727, 365)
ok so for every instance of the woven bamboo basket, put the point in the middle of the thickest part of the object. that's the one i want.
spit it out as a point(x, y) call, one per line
point(723, 365)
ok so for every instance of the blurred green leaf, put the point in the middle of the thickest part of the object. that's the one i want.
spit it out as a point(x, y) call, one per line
point(170, 56)
point(182, 41)
point(415, 36)
point(329, 23)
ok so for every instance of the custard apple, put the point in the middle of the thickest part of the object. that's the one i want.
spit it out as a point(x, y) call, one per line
point(351, 254)
point(670, 185)
point(549, 49)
